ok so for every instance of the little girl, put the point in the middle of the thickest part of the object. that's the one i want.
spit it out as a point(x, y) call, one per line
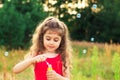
point(50, 52)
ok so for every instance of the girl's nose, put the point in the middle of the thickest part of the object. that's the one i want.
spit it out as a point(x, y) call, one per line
point(51, 41)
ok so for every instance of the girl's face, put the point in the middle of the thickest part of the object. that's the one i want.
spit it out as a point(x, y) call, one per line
point(51, 41)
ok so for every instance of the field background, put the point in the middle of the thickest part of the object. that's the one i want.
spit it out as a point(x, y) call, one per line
point(91, 61)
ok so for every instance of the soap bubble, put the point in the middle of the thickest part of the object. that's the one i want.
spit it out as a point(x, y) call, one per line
point(78, 15)
point(94, 6)
point(84, 51)
point(6, 53)
point(92, 39)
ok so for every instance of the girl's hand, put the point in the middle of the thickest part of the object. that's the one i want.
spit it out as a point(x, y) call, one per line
point(39, 58)
point(51, 75)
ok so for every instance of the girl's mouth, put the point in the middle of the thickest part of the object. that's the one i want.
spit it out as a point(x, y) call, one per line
point(51, 46)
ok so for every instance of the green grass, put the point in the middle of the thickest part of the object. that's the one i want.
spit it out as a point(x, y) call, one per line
point(91, 61)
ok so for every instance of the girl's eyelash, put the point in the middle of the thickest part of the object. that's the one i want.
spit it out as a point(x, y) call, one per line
point(56, 40)
point(48, 39)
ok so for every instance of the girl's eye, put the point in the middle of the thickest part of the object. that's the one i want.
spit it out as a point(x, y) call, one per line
point(56, 40)
point(47, 38)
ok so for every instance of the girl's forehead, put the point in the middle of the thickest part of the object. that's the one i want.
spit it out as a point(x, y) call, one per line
point(52, 32)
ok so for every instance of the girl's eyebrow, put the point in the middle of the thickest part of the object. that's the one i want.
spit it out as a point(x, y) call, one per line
point(47, 36)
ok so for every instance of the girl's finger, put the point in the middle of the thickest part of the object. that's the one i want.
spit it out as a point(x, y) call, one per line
point(51, 75)
point(40, 58)
point(43, 58)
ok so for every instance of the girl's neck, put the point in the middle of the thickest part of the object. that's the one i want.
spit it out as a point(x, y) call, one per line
point(50, 54)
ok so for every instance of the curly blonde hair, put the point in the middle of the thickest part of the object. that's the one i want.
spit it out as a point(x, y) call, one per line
point(54, 24)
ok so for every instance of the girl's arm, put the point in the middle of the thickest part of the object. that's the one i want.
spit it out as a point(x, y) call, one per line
point(27, 62)
point(21, 66)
